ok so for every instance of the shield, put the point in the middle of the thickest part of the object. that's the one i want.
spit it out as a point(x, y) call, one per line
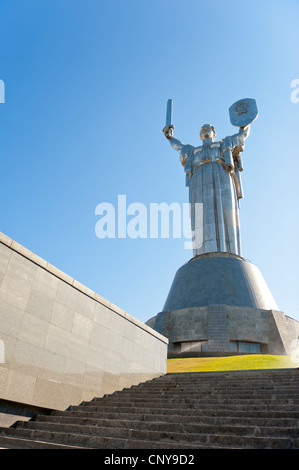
point(243, 112)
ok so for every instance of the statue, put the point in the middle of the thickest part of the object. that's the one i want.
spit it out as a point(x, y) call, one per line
point(213, 177)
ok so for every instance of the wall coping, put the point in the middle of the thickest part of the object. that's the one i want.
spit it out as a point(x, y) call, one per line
point(13, 245)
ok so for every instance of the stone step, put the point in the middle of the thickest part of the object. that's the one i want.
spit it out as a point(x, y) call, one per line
point(228, 380)
point(177, 394)
point(253, 374)
point(221, 380)
point(121, 428)
point(38, 438)
point(148, 421)
point(195, 401)
point(188, 414)
point(87, 436)
point(168, 408)
point(280, 374)
point(204, 393)
point(277, 372)
point(223, 389)
point(198, 396)
point(15, 442)
point(220, 386)
point(221, 383)
point(204, 419)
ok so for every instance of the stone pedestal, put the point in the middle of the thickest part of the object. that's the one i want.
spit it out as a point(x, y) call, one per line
point(220, 304)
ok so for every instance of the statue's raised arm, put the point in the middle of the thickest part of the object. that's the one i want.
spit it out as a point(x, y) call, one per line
point(186, 152)
point(242, 114)
point(232, 146)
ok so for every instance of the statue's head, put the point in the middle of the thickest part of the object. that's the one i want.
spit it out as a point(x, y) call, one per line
point(207, 132)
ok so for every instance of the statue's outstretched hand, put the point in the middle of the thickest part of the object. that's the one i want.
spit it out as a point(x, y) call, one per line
point(245, 128)
point(168, 131)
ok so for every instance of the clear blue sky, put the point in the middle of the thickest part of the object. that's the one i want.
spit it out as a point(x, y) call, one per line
point(86, 88)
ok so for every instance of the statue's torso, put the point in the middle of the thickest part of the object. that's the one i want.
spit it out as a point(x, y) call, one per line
point(207, 153)
point(210, 152)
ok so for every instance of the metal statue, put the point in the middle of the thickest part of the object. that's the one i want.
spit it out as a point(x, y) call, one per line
point(213, 177)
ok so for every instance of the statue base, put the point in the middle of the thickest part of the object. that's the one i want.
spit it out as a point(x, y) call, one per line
point(220, 304)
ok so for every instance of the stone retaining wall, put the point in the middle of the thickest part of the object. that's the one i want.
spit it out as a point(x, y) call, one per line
point(62, 343)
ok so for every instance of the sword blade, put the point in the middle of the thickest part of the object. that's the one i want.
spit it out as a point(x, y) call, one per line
point(169, 113)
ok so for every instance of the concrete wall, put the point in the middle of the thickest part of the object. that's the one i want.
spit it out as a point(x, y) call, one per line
point(216, 326)
point(62, 343)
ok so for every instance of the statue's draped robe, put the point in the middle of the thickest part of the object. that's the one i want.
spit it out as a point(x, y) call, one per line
point(213, 178)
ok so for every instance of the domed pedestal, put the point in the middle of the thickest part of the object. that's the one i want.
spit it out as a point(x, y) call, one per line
point(220, 304)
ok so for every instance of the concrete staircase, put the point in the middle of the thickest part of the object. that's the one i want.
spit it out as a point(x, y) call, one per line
point(242, 409)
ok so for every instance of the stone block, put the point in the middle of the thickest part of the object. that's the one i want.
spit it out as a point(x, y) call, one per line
point(39, 305)
point(117, 324)
point(67, 295)
point(45, 284)
point(33, 330)
point(21, 268)
point(27, 357)
point(52, 364)
point(129, 331)
point(82, 325)
point(5, 254)
point(15, 291)
point(86, 306)
point(62, 316)
point(102, 315)
point(11, 319)
point(19, 387)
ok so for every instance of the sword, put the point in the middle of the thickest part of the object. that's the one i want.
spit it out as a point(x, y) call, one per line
point(168, 124)
point(169, 114)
